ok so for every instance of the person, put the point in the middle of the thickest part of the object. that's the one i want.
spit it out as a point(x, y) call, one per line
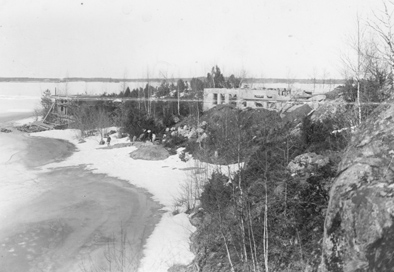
point(142, 136)
point(108, 140)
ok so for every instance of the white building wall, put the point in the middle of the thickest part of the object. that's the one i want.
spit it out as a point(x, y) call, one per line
point(245, 97)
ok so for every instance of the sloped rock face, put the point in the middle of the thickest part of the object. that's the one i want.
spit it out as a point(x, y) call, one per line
point(296, 113)
point(329, 109)
point(359, 225)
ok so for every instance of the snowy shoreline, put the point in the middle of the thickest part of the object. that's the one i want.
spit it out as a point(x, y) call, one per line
point(164, 180)
point(169, 242)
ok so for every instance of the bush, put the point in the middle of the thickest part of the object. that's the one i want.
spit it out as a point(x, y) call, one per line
point(216, 195)
point(318, 136)
point(176, 141)
point(372, 92)
point(192, 147)
point(294, 207)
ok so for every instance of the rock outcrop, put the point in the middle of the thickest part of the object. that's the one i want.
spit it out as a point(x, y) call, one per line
point(296, 113)
point(359, 225)
point(307, 162)
point(330, 109)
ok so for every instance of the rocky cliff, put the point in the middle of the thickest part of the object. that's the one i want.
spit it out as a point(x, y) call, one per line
point(359, 225)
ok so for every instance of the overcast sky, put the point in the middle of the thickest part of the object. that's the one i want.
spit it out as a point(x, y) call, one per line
point(175, 38)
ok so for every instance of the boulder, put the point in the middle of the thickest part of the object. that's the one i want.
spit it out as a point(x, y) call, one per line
point(296, 113)
point(359, 224)
point(335, 93)
point(197, 218)
point(329, 109)
point(316, 101)
point(307, 163)
point(150, 152)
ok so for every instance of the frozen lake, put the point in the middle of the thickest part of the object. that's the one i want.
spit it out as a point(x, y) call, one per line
point(24, 97)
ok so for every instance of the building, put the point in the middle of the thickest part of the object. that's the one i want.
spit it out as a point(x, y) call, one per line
point(241, 98)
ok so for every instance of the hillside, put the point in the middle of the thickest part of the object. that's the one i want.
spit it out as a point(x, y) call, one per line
point(271, 212)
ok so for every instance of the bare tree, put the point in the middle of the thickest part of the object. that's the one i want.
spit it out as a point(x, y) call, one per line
point(290, 79)
point(358, 68)
point(383, 27)
point(123, 85)
point(357, 63)
point(324, 77)
point(242, 77)
point(314, 75)
point(101, 121)
point(65, 87)
point(82, 117)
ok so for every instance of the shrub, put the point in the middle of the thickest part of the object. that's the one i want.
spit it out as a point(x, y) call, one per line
point(318, 136)
point(372, 91)
point(175, 141)
point(216, 195)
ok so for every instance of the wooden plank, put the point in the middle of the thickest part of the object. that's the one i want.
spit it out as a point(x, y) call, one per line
point(53, 104)
point(42, 125)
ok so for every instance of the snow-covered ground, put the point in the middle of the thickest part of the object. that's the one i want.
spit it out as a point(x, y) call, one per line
point(169, 242)
point(165, 180)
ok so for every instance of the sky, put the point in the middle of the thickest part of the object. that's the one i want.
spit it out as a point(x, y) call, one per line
point(176, 38)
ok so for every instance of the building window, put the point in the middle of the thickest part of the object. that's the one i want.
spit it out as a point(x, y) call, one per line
point(222, 99)
point(233, 99)
point(215, 98)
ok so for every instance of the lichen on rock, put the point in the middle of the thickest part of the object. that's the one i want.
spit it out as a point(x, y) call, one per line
point(359, 225)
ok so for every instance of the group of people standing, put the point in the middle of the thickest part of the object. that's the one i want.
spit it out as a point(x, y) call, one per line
point(147, 135)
